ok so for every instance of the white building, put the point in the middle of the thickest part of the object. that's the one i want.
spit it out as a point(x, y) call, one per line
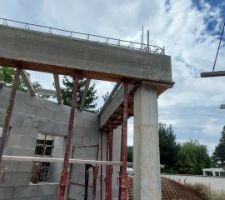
point(214, 172)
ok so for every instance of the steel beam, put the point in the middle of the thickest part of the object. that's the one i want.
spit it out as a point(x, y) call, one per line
point(28, 82)
point(9, 112)
point(212, 74)
point(123, 179)
point(84, 95)
point(65, 170)
point(222, 106)
point(58, 89)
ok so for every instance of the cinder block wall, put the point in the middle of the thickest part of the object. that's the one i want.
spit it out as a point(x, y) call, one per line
point(34, 115)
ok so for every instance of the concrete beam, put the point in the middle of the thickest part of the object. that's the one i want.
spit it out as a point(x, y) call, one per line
point(109, 99)
point(28, 83)
point(114, 103)
point(62, 55)
point(57, 87)
point(112, 106)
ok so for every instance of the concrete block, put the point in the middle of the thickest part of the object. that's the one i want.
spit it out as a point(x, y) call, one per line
point(19, 151)
point(17, 166)
point(46, 189)
point(52, 128)
point(16, 120)
point(16, 140)
point(6, 193)
point(16, 179)
point(40, 190)
point(76, 192)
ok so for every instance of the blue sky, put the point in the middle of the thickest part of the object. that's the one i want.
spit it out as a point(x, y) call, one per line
point(189, 30)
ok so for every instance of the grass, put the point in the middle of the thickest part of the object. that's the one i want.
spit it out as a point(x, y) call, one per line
point(205, 193)
point(202, 190)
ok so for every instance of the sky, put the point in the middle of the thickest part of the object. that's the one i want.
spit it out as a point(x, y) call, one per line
point(189, 31)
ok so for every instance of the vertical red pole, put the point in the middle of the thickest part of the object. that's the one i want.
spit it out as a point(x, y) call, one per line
point(101, 176)
point(65, 170)
point(107, 167)
point(123, 179)
point(110, 168)
point(9, 112)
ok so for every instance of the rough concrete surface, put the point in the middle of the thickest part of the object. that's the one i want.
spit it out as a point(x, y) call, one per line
point(45, 52)
point(31, 116)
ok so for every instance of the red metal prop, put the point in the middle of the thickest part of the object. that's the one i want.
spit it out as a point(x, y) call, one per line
point(65, 170)
point(123, 179)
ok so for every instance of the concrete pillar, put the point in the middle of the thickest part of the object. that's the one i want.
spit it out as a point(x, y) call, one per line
point(146, 145)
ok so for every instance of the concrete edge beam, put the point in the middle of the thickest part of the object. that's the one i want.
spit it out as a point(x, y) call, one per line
point(62, 55)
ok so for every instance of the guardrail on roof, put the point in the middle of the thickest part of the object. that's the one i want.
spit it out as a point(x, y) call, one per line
point(84, 36)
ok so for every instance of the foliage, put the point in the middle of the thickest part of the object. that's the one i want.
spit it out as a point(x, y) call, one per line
point(219, 153)
point(130, 154)
point(90, 101)
point(105, 96)
point(168, 147)
point(192, 158)
point(202, 190)
point(7, 75)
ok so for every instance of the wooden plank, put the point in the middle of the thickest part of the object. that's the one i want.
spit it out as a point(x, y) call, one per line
point(84, 95)
point(28, 83)
point(54, 160)
point(212, 74)
point(58, 89)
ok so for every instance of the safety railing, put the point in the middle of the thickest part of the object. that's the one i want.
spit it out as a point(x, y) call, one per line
point(84, 36)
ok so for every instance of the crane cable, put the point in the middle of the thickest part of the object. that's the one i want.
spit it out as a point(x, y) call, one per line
point(221, 37)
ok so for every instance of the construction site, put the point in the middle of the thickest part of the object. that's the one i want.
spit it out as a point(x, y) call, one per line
point(52, 151)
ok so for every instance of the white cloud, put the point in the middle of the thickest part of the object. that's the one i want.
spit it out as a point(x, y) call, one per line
point(192, 105)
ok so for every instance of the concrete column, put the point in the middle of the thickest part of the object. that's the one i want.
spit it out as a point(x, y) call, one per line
point(146, 145)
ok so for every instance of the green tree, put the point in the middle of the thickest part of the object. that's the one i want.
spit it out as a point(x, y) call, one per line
point(192, 158)
point(105, 96)
point(130, 154)
point(7, 75)
point(219, 153)
point(168, 147)
point(90, 101)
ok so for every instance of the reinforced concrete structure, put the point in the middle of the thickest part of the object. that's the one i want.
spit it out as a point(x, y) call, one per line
point(87, 152)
